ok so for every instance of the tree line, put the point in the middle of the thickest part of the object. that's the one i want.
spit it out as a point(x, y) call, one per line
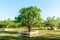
point(9, 24)
point(30, 17)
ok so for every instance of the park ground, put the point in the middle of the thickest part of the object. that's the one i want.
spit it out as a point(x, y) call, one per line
point(13, 35)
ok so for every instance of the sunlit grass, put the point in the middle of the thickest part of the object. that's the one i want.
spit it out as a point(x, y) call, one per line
point(13, 35)
point(50, 32)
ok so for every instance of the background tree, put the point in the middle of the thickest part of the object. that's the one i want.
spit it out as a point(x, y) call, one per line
point(51, 22)
point(8, 23)
point(29, 17)
point(2, 24)
point(58, 20)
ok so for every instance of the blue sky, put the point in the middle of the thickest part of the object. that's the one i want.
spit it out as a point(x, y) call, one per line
point(10, 8)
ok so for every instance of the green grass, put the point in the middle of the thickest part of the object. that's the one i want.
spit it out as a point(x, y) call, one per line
point(12, 35)
point(49, 35)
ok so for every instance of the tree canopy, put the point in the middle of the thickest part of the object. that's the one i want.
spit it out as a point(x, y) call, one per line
point(30, 17)
point(51, 22)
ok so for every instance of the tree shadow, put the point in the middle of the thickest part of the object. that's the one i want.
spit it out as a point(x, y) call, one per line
point(26, 38)
point(40, 38)
point(43, 37)
point(10, 32)
point(8, 38)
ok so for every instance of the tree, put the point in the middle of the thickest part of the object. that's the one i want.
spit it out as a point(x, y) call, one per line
point(51, 22)
point(29, 17)
point(2, 24)
point(8, 23)
point(15, 25)
point(58, 20)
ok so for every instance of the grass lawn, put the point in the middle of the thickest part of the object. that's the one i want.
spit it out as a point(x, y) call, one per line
point(49, 35)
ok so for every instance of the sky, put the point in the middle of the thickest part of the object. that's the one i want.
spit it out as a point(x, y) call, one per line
point(10, 8)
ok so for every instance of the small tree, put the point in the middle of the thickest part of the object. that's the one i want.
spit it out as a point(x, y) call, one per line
point(51, 22)
point(29, 17)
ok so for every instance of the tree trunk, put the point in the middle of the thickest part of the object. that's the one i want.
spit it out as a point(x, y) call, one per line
point(29, 28)
point(3, 28)
point(55, 28)
point(52, 28)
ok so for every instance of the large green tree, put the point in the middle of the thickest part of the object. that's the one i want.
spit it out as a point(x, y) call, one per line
point(29, 17)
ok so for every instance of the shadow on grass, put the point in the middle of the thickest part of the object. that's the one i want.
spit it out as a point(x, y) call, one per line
point(26, 38)
point(10, 32)
point(8, 38)
point(44, 37)
point(39, 38)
